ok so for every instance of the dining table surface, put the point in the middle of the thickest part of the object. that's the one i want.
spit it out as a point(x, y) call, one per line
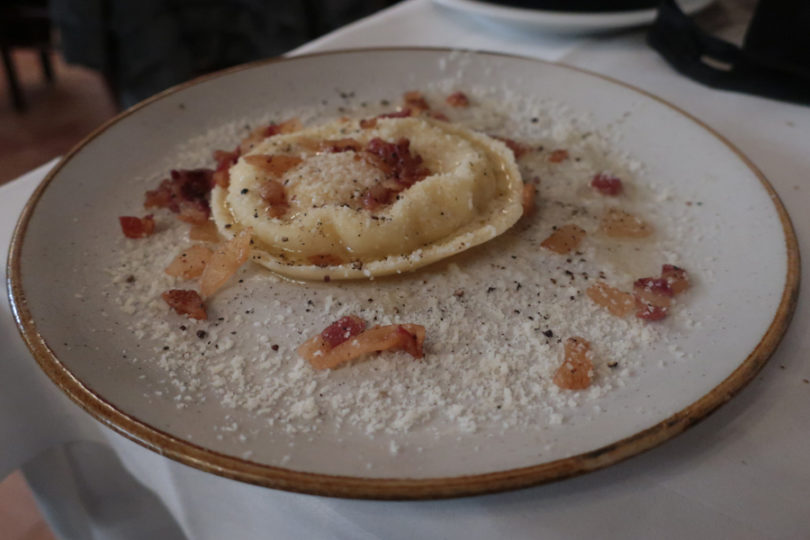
point(742, 472)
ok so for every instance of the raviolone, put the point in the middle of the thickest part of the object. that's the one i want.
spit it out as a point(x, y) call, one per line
point(358, 198)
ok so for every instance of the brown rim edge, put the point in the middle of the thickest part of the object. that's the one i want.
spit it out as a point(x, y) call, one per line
point(393, 488)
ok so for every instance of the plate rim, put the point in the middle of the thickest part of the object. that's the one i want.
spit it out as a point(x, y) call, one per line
point(392, 488)
point(565, 21)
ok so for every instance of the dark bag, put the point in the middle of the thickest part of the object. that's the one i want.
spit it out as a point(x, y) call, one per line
point(773, 62)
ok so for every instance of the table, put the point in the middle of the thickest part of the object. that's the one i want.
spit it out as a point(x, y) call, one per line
point(744, 472)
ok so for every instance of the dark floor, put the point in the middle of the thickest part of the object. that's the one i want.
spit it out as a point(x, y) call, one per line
point(58, 115)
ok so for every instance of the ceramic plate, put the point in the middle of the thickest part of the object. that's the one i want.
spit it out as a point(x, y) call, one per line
point(562, 22)
point(738, 244)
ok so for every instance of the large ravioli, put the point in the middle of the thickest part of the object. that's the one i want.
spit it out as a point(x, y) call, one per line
point(470, 194)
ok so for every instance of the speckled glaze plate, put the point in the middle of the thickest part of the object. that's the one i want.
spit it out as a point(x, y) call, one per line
point(560, 22)
point(741, 259)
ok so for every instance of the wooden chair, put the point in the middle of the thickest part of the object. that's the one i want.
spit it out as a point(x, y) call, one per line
point(24, 26)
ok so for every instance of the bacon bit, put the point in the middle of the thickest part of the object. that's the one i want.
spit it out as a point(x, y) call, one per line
point(190, 263)
point(620, 224)
point(225, 160)
point(415, 101)
point(274, 165)
point(205, 232)
point(438, 116)
point(184, 193)
point(617, 302)
point(224, 262)
point(397, 161)
point(655, 291)
point(517, 148)
point(272, 192)
point(377, 196)
point(186, 302)
point(368, 123)
point(649, 312)
point(325, 259)
point(577, 368)
point(288, 126)
point(342, 329)
point(372, 122)
point(564, 240)
point(607, 184)
point(558, 156)
point(194, 212)
point(135, 227)
point(405, 337)
point(340, 145)
point(263, 132)
point(458, 99)
point(528, 199)
point(676, 277)
point(654, 294)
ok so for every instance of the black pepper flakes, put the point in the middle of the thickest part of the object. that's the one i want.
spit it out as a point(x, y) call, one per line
point(490, 289)
point(202, 334)
point(548, 334)
point(244, 191)
point(274, 347)
point(130, 279)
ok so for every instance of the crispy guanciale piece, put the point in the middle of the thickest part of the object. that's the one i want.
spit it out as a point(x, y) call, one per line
point(340, 145)
point(378, 196)
point(676, 277)
point(368, 123)
point(607, 184)
point(274, 165)
point(325, 259)
point(558, 156)
point(272, 192)
point(620, 224)
point(458, 99)
point(404, 337)
point(565, 239)
point(415, 101)
point(342, 329)
point(527, 199)
point(653, 295)
point(135, 227)
point(617, 302)
point(185, 302)
point(260, 133)
point(576, 371)
point(438, 115)
point(224, 262)
point(396, 161)
point(190, 263)
point(204, 232)
point(185, 193)
point(225, 160)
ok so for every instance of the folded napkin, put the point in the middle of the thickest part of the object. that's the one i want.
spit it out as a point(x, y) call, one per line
point(774, 60)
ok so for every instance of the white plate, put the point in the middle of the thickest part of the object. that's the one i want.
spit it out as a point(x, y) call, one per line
point(563, 22)
point(740, 245)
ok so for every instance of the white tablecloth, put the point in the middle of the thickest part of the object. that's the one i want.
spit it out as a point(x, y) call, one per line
point(744, 472)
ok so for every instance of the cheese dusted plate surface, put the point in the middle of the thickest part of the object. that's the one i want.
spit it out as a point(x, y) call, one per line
point(625, 189)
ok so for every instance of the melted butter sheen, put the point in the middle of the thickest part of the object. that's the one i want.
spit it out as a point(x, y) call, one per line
point(472, 195)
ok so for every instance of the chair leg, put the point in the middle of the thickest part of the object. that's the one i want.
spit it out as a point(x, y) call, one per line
point(17, 98)
point(45, 62)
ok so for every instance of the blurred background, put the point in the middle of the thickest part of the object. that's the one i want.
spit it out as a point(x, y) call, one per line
point(69, 65)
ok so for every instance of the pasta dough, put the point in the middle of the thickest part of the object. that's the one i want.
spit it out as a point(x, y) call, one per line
point(470, 193)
